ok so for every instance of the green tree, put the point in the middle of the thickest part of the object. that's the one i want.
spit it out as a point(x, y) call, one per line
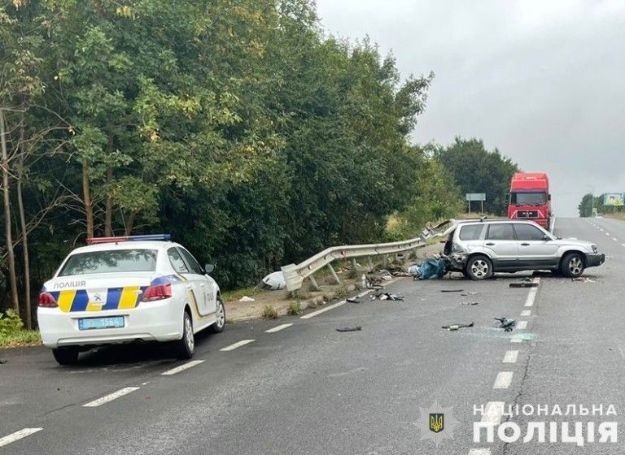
point(477, 170)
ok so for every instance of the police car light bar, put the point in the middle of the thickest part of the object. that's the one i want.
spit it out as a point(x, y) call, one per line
point(128, 238)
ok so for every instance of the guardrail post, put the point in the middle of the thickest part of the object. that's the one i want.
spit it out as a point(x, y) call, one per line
point(315, 286)
point(334, 275)
point(354, 264)
point(370, 263)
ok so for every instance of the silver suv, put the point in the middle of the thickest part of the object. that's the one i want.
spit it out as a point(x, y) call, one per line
point(480, 248)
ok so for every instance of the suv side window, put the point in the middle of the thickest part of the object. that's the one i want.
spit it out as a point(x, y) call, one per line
point(471, 232)
point(191, 262)
point(176, 261)
point(528, 232)
point(501, 231)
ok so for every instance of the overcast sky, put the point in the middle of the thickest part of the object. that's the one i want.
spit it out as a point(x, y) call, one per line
point(541, 80)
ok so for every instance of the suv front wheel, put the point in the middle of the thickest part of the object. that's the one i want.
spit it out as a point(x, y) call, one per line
point(479, 268)
point(572, 265)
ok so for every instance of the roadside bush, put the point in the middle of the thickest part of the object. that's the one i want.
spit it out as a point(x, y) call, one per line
point(10, 324)
point(269, 312)
point(294, 309)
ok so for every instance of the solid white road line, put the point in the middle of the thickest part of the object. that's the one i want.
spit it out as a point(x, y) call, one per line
point(522, 325)
point(238, 344)
point(362, 294)
point(526, 313)
point(110, 397)
point(18, 435)
point(516, 340)
point(183, 367)
point(511, 357)
point(278, 328)
point(323, 310)
point(493, 412)
point(503, 380)
point(479, 452)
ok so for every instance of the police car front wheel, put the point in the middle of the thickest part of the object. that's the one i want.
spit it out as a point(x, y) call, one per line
point(66, 356)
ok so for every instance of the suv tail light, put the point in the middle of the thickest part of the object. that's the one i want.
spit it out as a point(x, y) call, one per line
point(46, 300)
point(157, 292)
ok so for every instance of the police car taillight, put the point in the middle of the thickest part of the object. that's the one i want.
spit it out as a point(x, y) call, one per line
point(157, 292)
point(46, 300)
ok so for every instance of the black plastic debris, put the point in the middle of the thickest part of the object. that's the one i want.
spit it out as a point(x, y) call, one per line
point(524, 284)
point(352, 300)
point(452, 290)
point(349, 329)
point(2, 362)
point(506, 324)
point(453, 327)
point(467, 294)
point(470, 303)
point(388, 296)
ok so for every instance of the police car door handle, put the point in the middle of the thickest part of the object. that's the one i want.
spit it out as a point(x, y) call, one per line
point(490, 244)
point(525, 244)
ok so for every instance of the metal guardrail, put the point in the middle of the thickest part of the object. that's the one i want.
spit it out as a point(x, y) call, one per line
point(295, 274)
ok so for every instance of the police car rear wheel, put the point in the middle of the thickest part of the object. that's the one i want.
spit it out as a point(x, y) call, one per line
point(186, 345)
point(65, 356)
point(220, 323)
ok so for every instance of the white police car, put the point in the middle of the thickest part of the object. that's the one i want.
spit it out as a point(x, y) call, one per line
point(124, 289)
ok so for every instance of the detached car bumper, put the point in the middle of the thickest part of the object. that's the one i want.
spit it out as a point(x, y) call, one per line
point(594, 260)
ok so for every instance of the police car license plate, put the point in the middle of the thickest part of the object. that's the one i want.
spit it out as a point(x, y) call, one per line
point(113, 322)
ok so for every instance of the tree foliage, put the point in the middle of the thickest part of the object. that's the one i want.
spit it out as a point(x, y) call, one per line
point(477, 170)
point(239, 127)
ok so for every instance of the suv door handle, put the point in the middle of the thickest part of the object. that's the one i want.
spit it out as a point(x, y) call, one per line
point(490, 244)
point(525, 244)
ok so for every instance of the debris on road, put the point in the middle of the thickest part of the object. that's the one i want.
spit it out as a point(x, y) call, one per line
point(352, 300)
point(525, 283)
point(349, 329)
point(274, 281)
point(452, 290)
point(453, 327)
point(469, 303)
point(467, 294)
point(583, 279)
point(506, 324)
point(376, 279)
point(246, 299)
point(387, 296)
point(2, 362)
point(431, 269)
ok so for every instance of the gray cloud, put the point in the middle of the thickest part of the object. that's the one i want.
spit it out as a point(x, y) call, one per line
point(542, 81)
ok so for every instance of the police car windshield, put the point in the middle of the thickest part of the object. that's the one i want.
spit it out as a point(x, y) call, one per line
point(112, 261)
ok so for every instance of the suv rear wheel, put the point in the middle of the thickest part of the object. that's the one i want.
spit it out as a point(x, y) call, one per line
point(479, 268)
point(572, 265)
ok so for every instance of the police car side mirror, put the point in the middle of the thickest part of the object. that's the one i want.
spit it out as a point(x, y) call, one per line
point(209, 268)
point(546, 238)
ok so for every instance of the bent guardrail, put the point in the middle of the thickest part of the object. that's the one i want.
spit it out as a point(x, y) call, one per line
point(295, 274)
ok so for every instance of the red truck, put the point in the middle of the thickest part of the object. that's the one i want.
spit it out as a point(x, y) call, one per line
point(530, 198)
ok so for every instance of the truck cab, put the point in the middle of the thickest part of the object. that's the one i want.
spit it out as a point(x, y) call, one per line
point(530, 199)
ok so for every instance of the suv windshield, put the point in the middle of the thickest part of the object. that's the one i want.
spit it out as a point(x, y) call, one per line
point(528, 198)
point(111, 261)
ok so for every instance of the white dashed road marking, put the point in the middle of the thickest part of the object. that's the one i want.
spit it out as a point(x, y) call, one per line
point(18, 435)
point(615, 239)
point(503, 380)
point(323, 310)
point(522, 325)
point(278, 328)
point(236, 345)
point(526, 313)
point(531, 297)
point(479, 452)
point(516, 340)
point(511, 357)
point(493, 412)
point(180, 368)
point(110, 397)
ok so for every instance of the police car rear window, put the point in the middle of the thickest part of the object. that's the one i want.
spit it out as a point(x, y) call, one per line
point(112, 261)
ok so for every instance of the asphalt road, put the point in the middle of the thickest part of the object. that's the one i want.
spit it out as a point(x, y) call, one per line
point(308, 389)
